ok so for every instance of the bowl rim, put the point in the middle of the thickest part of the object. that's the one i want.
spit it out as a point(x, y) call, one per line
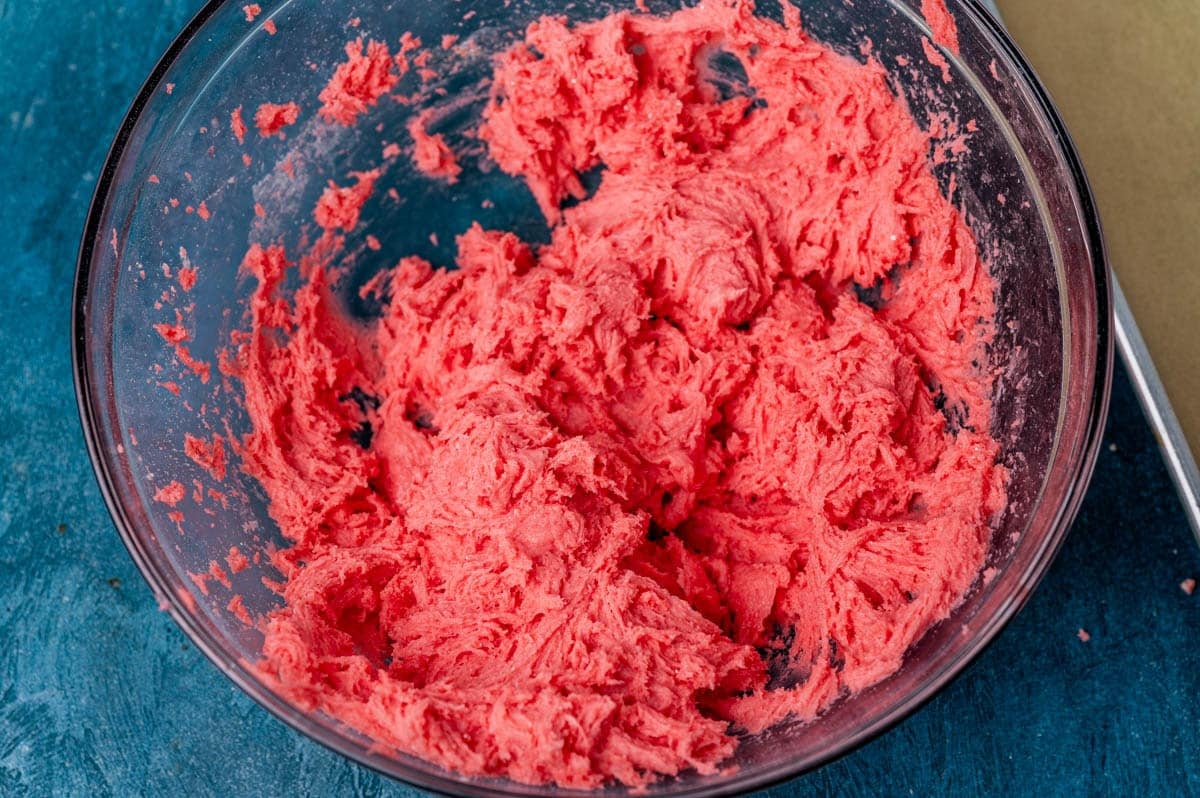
point(242, 673)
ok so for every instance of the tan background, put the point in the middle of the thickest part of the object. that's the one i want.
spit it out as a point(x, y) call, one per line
point(1126, 76)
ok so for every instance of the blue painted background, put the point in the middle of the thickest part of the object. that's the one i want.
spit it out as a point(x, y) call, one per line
point(100, 694)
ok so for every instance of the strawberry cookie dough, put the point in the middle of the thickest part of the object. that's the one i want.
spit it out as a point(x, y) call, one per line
point(714, 457)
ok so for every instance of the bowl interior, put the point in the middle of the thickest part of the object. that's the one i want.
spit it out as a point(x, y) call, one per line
point(176, 162)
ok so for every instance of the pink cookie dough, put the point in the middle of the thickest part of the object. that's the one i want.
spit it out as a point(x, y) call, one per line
point(941, 24)
point(715, 456)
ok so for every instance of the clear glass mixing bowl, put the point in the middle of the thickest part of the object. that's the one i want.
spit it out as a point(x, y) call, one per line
point(1053, 347)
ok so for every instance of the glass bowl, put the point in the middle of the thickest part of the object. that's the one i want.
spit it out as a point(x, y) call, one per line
point(1053, 346)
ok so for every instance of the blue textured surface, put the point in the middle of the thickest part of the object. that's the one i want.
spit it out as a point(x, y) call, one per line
point(100, 694)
